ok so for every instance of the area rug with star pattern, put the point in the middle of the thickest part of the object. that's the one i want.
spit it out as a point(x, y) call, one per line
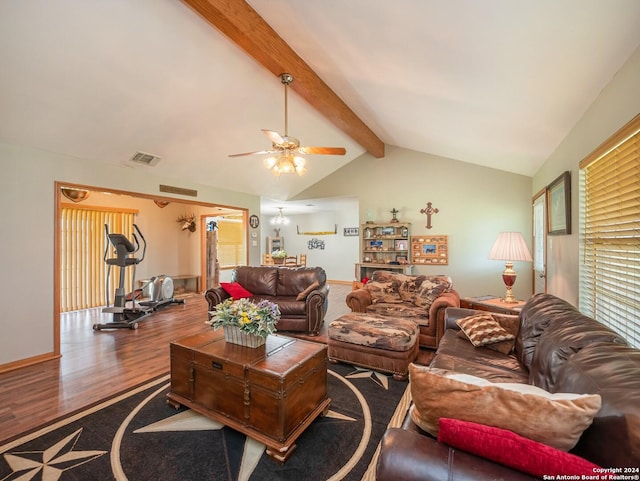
point(136, 436)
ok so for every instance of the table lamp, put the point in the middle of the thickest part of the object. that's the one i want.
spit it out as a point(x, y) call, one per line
point(509, 247)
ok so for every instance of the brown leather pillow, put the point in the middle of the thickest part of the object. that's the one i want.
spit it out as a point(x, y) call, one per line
point(303, 295)
point(554, 419)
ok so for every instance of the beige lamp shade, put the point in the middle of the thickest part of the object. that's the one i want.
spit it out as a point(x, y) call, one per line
point(509, 247)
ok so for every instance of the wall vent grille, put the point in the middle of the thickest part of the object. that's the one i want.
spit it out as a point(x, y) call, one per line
point(145, 159)
point(178, 190)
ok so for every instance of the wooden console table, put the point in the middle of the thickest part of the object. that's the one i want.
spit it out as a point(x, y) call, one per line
point(271, 393)
point(492, 304)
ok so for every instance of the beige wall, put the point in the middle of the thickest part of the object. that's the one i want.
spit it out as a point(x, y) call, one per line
point(26, 257)
point(616, 105)
point(475, 204)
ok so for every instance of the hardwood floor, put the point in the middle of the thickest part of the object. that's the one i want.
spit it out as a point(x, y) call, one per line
point(96, 365)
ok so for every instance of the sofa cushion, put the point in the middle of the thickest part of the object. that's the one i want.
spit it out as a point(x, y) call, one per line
point(554, 419)
point(459, 355)
point(613, 371)
point(259, 280)
point(430, 289)
point(293, 280)
point(508, 448)
point(482, 329)
point(386, 292)
point(235, 290)
point(408, 311)
point(374, 331)
point(303, 295)
point(560, 341)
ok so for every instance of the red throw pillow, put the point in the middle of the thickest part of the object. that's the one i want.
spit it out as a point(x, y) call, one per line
point(508, 448)
point(235, 290)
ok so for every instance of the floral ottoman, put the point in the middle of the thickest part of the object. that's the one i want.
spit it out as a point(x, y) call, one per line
point(385, 344)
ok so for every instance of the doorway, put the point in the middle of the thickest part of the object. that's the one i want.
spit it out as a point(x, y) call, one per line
point(161, 216)
point(539, 242)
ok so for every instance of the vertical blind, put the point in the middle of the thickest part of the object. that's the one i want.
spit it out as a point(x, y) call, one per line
point(610, 233)
point(82, 245)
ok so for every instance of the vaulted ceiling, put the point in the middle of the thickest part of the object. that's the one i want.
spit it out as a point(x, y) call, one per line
point(498, 83)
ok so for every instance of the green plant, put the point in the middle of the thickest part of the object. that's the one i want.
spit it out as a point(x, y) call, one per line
point(279, 254)
point(259, 319)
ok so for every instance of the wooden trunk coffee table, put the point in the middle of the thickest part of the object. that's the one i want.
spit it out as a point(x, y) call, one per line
point(271, 393)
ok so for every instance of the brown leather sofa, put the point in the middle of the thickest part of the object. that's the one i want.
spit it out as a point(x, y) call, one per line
point(282, 285)
point(558, 349)
point(420, 298)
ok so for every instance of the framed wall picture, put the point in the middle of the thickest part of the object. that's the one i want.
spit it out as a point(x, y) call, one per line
point(559, 205)
point(430, 249)
point(351, 231)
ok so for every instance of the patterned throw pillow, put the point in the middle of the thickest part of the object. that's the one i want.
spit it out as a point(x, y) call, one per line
point(509, 323)
point(383, 292)
point(483, 329)
point(430, 289)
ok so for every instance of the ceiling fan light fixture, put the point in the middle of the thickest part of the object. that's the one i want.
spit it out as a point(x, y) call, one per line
point(285, 147)
point(270, 162)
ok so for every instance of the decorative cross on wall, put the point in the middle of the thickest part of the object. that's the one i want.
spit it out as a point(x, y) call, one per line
point(429, 211)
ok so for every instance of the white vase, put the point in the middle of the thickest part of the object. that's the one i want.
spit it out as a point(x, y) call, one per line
point(234, 335)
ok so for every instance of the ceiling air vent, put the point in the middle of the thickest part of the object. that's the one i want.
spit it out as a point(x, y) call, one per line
point(145, 159)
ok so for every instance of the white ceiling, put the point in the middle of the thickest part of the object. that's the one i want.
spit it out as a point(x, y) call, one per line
point(494, 82)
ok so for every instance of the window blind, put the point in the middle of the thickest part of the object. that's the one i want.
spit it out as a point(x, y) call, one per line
point(610, 233)
point(82, 247)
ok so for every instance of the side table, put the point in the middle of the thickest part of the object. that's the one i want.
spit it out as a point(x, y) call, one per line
point(492, 304)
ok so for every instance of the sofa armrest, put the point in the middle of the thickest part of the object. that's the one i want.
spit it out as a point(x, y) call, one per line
point(358, 300)
point(215, 296)
point(450, 299)
point(316, 305)
point(408, 456)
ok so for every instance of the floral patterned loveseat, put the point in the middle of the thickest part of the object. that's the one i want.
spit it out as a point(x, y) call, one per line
point(418, 297)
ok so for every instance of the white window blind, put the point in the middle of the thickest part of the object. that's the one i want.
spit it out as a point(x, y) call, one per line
point(610, 233)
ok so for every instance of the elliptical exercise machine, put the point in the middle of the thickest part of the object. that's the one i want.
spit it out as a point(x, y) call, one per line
point(160, 287)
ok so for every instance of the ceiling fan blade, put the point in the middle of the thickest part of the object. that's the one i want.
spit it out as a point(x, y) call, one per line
point(323, 150)
point(254, 153)
point(274, 137)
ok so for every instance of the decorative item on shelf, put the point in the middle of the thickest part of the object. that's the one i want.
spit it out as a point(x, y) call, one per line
point(279, 256)
point(188, 222)
point(75, 195)
point(161, 203)
point(244, 322)
point(429, 211)
point(509, 247)
point(280, 218)
point(369, 216)
point(394, 213)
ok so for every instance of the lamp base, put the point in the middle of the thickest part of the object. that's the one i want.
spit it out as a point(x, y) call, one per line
point(509, 279)
point(509, 298)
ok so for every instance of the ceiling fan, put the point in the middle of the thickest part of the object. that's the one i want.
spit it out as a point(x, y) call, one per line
point(285, 153)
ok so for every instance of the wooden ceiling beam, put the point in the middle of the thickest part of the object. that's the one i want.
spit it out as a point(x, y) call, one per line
point(242, 24)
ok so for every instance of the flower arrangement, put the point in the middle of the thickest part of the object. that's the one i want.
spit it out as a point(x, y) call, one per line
point(279, 254)
point(258, 319)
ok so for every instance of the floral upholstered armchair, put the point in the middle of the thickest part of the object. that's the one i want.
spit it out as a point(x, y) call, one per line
point(420, 298)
